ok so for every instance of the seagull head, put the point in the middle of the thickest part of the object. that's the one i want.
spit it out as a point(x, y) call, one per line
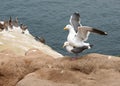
point(65, 44)
point(67, 27)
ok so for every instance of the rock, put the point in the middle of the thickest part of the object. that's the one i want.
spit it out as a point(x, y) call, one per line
point(33, 79)
point(20, 43)
point(12, 69)
point(40, 69)
point(38, 59)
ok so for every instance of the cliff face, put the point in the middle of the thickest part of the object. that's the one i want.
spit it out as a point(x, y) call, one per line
point(40, 69)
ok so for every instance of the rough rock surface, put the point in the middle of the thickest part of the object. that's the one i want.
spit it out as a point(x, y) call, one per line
point(40, 69)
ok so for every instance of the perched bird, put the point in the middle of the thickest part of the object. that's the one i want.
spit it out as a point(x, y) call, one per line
point(1, 27)
point(75, 50)
point(6, 25)
point(41, 39)
point(15, 22)
point(10, 24)
point(23, 28)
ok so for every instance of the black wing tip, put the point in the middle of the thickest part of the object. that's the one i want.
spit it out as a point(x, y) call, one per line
point(100, 32)
point(105, 33)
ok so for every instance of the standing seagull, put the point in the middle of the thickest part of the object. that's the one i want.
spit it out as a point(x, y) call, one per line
point(74, 50)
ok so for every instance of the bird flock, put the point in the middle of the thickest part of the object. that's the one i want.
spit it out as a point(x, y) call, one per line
point(11, 25)
point(78, 35)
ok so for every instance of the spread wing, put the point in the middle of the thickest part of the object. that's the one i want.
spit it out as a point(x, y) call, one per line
point(75, 20)
point(83, 32)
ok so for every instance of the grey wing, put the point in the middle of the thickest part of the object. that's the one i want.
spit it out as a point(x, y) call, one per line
point(83, 32)
point(75, 20)
point(94, 30)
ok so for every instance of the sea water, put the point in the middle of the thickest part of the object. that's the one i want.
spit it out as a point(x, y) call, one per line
point(47, 18)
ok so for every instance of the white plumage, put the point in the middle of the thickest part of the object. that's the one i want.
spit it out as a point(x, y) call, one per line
point(78, 34)
point(74, 38)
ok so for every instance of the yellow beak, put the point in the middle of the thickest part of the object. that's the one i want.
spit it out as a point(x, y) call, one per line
point(65, 28)
point(63, 46)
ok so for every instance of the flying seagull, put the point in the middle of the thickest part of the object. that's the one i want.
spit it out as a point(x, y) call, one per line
point(83, 31)
point(79, 33)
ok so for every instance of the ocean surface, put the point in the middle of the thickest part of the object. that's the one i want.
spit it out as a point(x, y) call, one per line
point(47, 18)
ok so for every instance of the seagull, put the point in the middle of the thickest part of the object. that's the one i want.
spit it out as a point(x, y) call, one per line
point(74, 50)
point(78, 34)
point(73, 38)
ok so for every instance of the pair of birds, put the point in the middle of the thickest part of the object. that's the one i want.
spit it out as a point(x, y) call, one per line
point(11, 24)
point(78, 34)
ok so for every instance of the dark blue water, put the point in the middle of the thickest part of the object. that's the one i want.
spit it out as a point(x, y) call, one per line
point(47, 18)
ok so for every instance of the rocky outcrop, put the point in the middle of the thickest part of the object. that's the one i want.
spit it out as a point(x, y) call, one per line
point(18, 39)
point(40, 69)
point(25, 61)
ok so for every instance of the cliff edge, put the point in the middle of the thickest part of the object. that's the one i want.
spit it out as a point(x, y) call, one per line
point(20, 43)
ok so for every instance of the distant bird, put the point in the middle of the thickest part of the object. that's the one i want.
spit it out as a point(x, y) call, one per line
point(23, 28)
point(1, 27)
point(75, 50)
point(15, 22)
point(10, 23)
point(41, 39)
point(6, 25)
